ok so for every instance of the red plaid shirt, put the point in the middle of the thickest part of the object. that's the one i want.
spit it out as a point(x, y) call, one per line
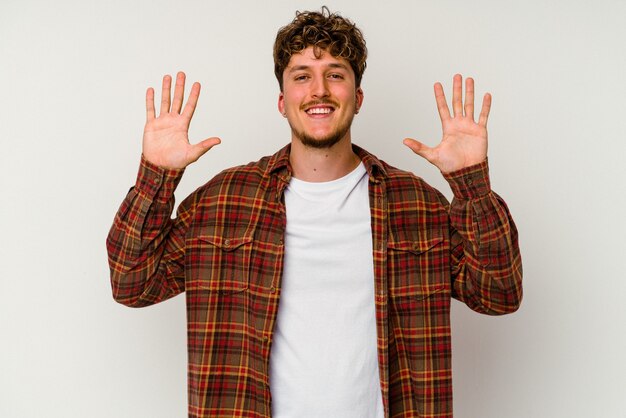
point(225, 251)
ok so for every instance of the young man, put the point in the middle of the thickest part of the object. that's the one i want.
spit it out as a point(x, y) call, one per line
point(318, 280)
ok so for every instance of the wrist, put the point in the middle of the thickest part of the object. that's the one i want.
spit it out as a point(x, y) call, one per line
point(157, 182)
point(470, 182)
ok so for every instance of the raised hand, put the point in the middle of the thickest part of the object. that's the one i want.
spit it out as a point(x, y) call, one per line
point(464, 141)
point(165, 138)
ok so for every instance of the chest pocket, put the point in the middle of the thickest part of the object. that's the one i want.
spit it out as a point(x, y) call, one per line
point(220, 263)
point(416, 269)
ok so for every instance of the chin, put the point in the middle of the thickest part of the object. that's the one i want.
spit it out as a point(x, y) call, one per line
point(322, 141)
point(319, 143)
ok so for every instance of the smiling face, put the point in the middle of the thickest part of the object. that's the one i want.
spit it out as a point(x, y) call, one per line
point(319, 98)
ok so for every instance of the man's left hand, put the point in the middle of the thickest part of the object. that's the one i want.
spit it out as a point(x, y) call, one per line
point(464, 141)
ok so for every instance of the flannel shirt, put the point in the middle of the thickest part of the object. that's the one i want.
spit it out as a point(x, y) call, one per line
point(225, 250)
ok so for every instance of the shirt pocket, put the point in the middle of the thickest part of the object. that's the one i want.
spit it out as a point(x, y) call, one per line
point(416, 272)
point(220, 264)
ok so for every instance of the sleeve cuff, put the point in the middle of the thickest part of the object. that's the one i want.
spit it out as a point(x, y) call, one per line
point(470, 182)
point(156, 182)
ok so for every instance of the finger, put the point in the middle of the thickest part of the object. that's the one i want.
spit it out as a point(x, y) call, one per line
point(419, 148)
point(469, 98)
point(165, 94)
point(179, 92)
point(484, 112)
point(442, 105)
point(202, 147)
point(150, 104)
point(192, 101)
point(457, 95)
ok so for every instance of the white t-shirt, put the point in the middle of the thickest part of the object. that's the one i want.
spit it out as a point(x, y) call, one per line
point(324, 361)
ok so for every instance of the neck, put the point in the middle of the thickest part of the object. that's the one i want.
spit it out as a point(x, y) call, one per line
point(325, 164)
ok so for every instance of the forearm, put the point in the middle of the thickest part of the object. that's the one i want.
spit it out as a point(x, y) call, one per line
point(487, 270)
point(144, 245)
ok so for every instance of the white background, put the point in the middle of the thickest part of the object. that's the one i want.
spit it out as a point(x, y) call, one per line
point(74, 75)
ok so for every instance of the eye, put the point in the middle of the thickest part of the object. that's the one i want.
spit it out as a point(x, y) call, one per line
point(336, 76)
point(301, 77)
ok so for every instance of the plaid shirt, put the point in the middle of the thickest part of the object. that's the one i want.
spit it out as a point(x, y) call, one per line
point(225, 250)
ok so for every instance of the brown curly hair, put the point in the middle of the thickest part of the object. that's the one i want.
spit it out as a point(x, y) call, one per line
point(325, 31)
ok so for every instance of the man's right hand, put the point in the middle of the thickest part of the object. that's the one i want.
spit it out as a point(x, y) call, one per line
point(165, 138)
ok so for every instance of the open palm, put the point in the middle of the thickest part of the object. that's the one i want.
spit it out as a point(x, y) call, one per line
point(464, 141)
point(165, 138)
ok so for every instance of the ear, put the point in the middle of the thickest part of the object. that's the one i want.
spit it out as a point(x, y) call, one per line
point(359, 99)
point(281, 104)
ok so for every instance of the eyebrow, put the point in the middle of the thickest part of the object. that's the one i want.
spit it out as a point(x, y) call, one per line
point(306, 67)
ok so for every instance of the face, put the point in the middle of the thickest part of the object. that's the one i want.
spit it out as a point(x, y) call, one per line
point(319, 98)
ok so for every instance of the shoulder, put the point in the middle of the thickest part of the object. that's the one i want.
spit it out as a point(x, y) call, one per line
point(238, 180)
point(402, 185)
point(253, 171)
point(233, 190)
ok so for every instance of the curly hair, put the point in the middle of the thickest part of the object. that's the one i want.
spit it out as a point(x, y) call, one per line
point(325, 31)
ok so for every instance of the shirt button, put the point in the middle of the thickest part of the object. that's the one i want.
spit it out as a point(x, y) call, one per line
point(272, 289)
point(265, 338)
point(470, 181)
point(227, 243)
point(156, 180)
point(279, 241)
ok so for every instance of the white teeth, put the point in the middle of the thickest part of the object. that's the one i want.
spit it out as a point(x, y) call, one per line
point(319, 111)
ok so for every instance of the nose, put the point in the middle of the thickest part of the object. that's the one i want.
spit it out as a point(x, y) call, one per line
point(319, 88)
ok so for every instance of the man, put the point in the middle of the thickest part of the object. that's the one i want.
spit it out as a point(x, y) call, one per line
point(363, 257)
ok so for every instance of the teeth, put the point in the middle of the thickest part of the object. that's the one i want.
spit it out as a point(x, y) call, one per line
point(319, 111)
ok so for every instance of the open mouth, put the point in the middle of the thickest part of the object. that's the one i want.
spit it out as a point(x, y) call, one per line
point(319, 109)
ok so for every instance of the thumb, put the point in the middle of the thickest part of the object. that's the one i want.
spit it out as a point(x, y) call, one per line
point(199, 149)
point(420, 149)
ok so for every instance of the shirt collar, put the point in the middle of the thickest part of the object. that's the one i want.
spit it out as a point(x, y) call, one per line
point(279, 164)
point(375, 168)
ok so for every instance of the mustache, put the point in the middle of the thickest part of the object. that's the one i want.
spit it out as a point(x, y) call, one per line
point(318, 103)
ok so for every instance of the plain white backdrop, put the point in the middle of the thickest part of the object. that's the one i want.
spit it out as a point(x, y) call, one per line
point(74, 74)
